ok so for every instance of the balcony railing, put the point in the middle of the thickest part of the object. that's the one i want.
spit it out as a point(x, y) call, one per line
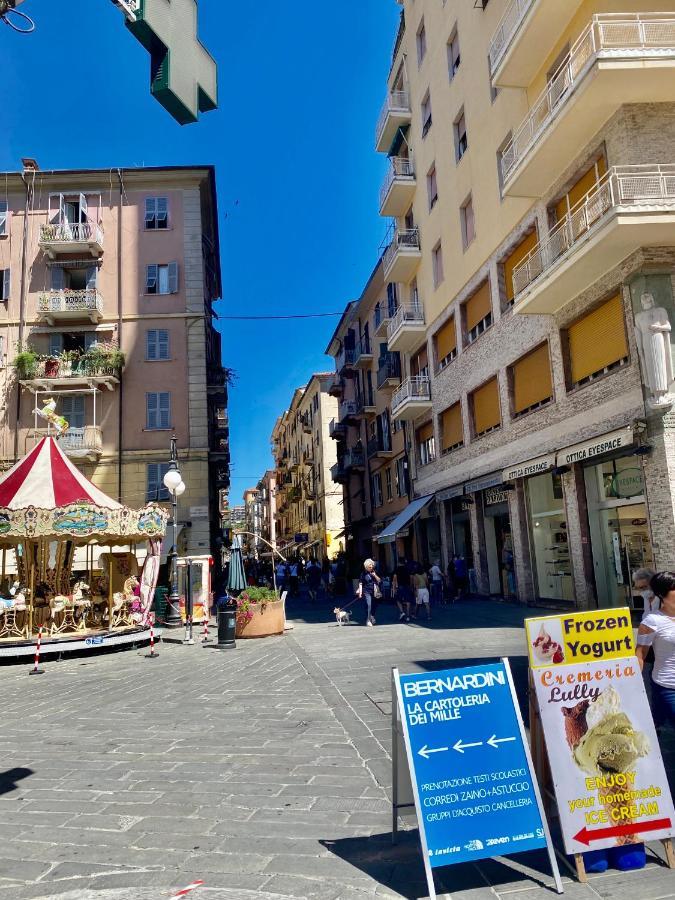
point(407, 313)
point(622, 186)
point(82, 441)
point(397, 101)
point(399, 39)
point(345, 358)
point(378, 445)
point(402, 239)
point(607, 35)
point(401, 168)
point(78, 368)
point(363, 347)
point(382, 315)
point(353, 459)
point(348, 409)
point(71, 302)
point(336, 429)
point(71, 233)
point(510, 23)
point(416, 387)
point(389, 367)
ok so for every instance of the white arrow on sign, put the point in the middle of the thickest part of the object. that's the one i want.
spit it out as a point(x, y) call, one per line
point(460, 747)
point(495, 741)
point(425, 751)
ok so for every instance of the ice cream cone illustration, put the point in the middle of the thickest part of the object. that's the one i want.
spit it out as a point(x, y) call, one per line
point(546, 649)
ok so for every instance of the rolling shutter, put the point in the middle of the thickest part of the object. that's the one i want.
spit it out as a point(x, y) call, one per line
point(515, 257)
point(478, 307)
point(579, 190)
point(486, 411)
point(597, 340)
point(425, 432)
point(445, 340)
point(532, 379)
point(451, 427)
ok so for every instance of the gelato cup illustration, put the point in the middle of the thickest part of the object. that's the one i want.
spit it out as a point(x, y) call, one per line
point(546, 649)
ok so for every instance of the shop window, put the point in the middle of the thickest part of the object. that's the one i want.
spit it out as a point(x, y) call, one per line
point(513, 259)
point(530, 380)
point(426, 445)
point(548, 527)
point(588, 181)
point(485, 408)
point(596, 343)
point(467, 222)
point(426, 114)
point(452, 432)
point(477, 311)
point(453, 54)
point(445, 344)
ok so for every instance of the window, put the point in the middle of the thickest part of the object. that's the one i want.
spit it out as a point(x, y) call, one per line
point(530, 380)
point(426, 447)
point(426, 114)
point(74, 279)
point(512, 261)
point(156, 344)
point(432, 187)
point(477, 313)
point(437, 263)
point(419, 363)
point(155, 489)
point(579, 190)
point(596, 342)
point(158, 410)
point(500, 162)
point(421, 43)
point(4, 284)
point(445, 344)
point(376, 483)
point(162, 279)
point(485, 406)
point(461, 141)
point(467, 221)
point(72, 409)
point(388, 485)
point(453, 55)
point(401, 476)
point(156, 213)
point(4, 215)
point(452, 431)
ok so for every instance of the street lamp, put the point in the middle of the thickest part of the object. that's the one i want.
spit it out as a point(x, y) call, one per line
point(173, 482)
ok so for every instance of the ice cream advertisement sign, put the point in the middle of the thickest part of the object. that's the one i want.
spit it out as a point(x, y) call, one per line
point(579, 637)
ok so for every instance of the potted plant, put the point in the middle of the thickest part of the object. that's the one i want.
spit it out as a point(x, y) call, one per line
point(260, 613)
point(25, 363)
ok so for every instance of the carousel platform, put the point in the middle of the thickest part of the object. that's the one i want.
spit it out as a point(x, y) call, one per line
point(82, 642)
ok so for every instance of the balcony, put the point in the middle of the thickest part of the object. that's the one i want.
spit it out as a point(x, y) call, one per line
point(77, 443)
point(336, 387)
point(349, 412)
point(412, 399)
point(363, 353)
point(407, 330)
point(338, 473)
point(389, 371)
point(398, 187)
point(336, 430)
point(354, 460)
point(52, 373)
point(381, 319)
point(394, 114)
point(631, 207)
point(84, 237)
point(366, 406)
point(344, 362)
point(402, 256)
point(618, 59)
point(306, 424)
point(527, 34)
point(378, 448)
point(61, 306)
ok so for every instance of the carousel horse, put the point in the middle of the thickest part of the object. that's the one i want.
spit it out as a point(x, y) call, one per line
point(62, 606)
point(81, 602)
point(124, 602)
point(9, 607)
point(48, 412)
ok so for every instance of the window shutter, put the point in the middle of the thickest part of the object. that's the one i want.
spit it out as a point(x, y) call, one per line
point(72, 409)
point(486, 410)
point(58, 278)
point(532, 379)
point(4, 215)
point(162, 344)
point(425, 432)
point(597, 340)
point(515, 257)
point(6, 283)
point(151, 279)
point(162, 212)
point(478, 307)
point(578, 191)
point(451, 426)
point(164, 409)
point(173, 278)
point(91, 278)
point(151, 410)
point(84, 208)
point(55, 344)
point(446, 340)
point(151, 345)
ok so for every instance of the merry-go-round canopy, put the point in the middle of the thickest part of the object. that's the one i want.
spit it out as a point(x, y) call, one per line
point(45, 496)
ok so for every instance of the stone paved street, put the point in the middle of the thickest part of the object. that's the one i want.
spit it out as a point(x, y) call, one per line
point(264, 771)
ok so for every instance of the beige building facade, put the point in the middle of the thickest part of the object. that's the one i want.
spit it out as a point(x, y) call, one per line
point(532, 253)
point(109, 279)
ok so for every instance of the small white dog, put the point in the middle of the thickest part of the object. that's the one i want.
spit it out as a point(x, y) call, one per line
point(342, 616)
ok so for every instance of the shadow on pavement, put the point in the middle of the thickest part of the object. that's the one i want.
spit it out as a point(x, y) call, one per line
point(9, 779)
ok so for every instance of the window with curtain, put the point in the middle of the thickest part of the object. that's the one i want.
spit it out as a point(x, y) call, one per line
point(162, 279)
point(485, 407)
point(388, 484)
point(597, 342)
point(445, 343)
point(478, 313)
point(426, 448)
point(513, 259)
point(452, 431)
point(531, 382)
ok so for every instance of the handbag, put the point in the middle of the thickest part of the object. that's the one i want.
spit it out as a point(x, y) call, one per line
point(377, 591)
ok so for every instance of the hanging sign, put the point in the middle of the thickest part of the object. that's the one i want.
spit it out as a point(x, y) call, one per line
point(610, 782)
point(472, 780)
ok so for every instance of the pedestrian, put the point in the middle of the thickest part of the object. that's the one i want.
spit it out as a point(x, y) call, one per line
point(281, 572)
point(369, 589)
point(402, 590)
point(294, 579)
point(313, 573)
point(421, 585)
point(459, 565)
point(657, 630)
point(436, 582)
point(641, 582)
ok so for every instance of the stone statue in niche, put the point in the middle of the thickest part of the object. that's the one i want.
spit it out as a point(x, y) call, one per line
point(652, 331)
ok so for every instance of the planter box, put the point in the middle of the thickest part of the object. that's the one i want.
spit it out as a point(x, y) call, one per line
point(266, 621)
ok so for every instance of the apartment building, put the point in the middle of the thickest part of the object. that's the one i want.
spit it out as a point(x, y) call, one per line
point(309, 516)
point(531, 187)
point(267, 491)
point(372, 463)
point(106, 319)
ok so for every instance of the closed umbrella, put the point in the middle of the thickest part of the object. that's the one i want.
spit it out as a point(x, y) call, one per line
point(236, 578)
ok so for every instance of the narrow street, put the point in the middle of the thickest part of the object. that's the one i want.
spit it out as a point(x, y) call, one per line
point(262, 770)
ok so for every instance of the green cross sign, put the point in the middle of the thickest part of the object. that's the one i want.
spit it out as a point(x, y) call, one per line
point(183, 74)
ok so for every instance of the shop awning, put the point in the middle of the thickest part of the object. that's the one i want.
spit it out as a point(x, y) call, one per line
point(403, 519)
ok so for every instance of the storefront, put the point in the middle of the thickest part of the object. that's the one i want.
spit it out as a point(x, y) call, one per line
point(493, 495)
point(429, 535)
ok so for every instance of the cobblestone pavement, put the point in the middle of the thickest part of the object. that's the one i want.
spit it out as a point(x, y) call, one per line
point(263, 771)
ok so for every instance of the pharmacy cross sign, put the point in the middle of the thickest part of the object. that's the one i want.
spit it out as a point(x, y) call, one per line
point(183, 74)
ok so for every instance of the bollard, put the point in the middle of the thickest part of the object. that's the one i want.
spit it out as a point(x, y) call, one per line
point(187, 890)
point(227, 623)
point(205, 635)
point(188, 604)
point(36, 670)
point(152, 654)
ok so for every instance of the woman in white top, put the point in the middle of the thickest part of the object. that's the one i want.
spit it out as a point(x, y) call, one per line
point(641, 582)
point(657, 630)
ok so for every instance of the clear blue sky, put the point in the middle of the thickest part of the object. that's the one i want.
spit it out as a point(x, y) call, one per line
point(300, 89)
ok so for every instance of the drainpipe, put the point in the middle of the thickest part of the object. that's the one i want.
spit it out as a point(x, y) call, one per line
point(22, 303)
point(119, 335)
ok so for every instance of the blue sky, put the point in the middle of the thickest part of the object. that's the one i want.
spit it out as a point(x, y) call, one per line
point(292, 141)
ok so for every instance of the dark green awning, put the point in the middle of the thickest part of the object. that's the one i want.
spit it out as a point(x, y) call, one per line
point(399, 137)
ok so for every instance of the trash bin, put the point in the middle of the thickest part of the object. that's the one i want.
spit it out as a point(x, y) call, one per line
point(227, 622)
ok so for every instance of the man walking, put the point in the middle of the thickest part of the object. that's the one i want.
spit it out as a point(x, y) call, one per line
point(401, 586)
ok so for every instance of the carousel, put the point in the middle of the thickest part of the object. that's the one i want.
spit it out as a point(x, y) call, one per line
point(75, 563)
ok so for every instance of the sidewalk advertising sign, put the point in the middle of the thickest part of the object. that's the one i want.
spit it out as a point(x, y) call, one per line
point(472, 779)
point(608, 775)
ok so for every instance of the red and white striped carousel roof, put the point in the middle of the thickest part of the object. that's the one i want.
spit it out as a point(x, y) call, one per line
point(47, 479)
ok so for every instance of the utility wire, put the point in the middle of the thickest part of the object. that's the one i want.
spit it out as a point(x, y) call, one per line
point(299, 316)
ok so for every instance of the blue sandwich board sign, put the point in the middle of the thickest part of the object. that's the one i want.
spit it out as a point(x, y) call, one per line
point(473, 783)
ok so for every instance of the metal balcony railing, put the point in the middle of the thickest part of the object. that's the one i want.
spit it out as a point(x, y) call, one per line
point(402, 239)
point(622, 186)
point(363, 347)
point(389, 367)
point(353, 459)
point(348, 408)
point(398, 101)
point(335, 428)
point(378, 445)
point(401, 168)
point(82, 440)
point(345, 358)
point(509, 25)
point(71, 301)
point(416, 387)
point(382, 314)
point(407, 313)
point(608, 35)
point(71, 233)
